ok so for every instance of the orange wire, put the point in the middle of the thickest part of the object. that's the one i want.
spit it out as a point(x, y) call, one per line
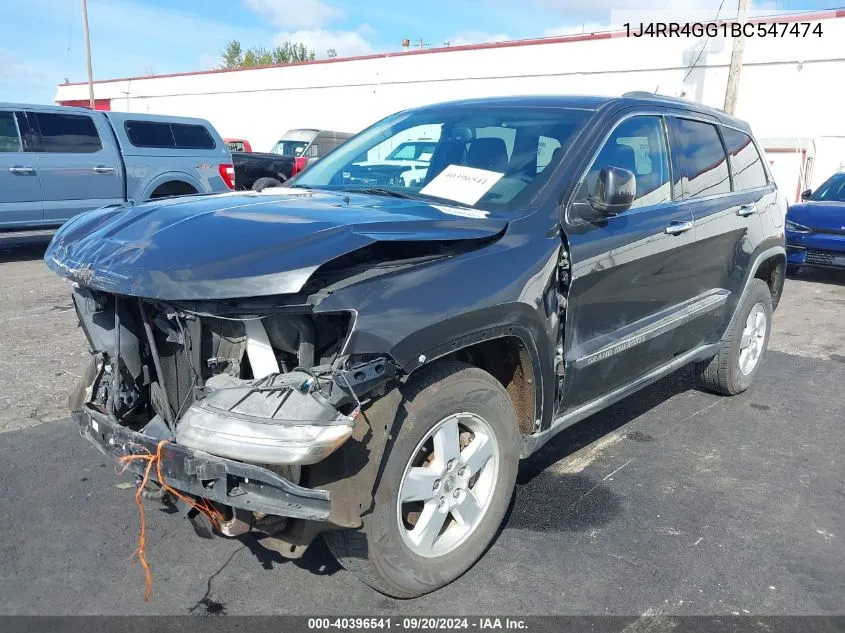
point(201, 505)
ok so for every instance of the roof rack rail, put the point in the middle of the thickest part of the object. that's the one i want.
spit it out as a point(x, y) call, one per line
point(654, 95)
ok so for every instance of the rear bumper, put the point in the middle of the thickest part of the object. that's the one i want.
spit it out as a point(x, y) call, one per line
point(236, 484)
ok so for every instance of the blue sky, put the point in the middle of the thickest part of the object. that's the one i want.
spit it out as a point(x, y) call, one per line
point(41, 40)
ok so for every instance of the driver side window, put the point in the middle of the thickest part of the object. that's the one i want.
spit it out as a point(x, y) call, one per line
point(638, 145)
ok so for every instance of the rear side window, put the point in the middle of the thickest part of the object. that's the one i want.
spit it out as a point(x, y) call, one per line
point(191, 136)
point(147, 134)
point(10, 140)
point(746, 164)
point(68, 133)
point(159, 135)
point(707, 164)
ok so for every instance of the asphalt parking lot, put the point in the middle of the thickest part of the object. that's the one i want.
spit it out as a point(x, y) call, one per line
point(673, 501)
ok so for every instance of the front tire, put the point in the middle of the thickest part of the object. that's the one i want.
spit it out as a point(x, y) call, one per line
point(446, 484)
point(792, 269)
point(733, 368)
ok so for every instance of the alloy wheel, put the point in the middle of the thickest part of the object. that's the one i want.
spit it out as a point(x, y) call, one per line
point(753, 339)
point(448, 485)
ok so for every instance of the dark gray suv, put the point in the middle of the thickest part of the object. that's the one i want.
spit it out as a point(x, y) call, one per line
point(368, 357)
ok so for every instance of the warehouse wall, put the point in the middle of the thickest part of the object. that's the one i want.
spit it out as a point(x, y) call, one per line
point(789, 86)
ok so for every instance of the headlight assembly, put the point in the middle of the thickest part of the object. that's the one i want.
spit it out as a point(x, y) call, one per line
point(797, 228)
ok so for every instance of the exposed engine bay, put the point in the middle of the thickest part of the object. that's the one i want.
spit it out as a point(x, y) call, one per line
point(249, 404)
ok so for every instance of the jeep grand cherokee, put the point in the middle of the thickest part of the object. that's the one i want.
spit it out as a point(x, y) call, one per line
point(368, 357)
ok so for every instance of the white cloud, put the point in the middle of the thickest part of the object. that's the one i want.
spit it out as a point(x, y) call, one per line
point(659, 10)
point(302, 14)
point(304, 21)
point(600, 6)
point(464, 38)
point(574, 29)
point(160, 39)
point(11, 65)
point(653, 11)
point(367, 31)
point(344, 43)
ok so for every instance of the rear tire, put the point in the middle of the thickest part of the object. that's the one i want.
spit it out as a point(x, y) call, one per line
point(468, 499)
point(263, 183)
point(733, 368)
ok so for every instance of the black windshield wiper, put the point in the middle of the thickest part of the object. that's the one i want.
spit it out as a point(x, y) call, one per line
point(381, 191)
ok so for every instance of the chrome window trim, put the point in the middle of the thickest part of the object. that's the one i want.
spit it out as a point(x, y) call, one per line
point(717, 196)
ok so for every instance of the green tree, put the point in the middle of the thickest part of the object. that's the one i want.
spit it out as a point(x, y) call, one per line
point(234, 56)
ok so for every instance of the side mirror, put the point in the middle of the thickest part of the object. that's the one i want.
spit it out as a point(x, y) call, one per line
point(805, 195)
point(615, 191)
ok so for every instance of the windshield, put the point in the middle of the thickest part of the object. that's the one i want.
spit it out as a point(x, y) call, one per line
point(289, 148)
point(831, 190)
point(480, 156)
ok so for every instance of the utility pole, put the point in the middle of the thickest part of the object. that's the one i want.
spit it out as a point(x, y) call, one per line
point(736, 62)
point(88, 54)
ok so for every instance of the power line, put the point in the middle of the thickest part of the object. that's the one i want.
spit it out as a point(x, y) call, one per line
point(70, 23)
point(706, 41)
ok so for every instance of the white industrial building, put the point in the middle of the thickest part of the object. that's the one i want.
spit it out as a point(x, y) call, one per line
point(790, 90)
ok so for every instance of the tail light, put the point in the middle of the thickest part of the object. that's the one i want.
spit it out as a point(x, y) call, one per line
point(227, 173)
point(299, 164)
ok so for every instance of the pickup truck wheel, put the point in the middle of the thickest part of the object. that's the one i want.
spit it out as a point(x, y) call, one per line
point(445, 486)
point(733, 368)
point(263, 183)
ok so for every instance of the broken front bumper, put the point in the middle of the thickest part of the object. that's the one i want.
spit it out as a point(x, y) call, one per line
point(196, 473)
point(279, 419)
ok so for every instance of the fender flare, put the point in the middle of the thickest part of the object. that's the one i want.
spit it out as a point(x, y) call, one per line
point(415, 352)
point(170, 176)
point(762, 256)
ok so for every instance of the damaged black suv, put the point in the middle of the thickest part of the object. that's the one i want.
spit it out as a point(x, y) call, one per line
point(368, 352)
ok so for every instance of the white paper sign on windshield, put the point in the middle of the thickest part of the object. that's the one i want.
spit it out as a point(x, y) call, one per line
point(462, 184)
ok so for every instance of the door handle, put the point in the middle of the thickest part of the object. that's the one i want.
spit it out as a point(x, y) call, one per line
point(21, 171)
point(102, 169)
point(745, 210)
point(676, 228)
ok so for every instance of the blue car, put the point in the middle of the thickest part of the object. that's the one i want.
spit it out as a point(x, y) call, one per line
point(815, 229)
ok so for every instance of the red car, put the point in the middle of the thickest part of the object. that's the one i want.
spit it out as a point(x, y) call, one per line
point(238, 144)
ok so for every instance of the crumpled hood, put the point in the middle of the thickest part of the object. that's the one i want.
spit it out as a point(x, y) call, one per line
point(829, 216)
point(242, 244)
